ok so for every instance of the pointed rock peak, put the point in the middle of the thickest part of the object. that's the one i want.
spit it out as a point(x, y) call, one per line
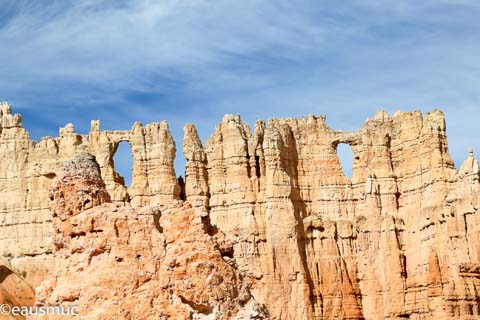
point(95, 125)
point(259, 125)
point(7, 119)
point(157, 132)
point(190, 132)
point(436, 113)
point(382, 116)
point(235, 118)
point(313, 119)
point(69, 128)
point(5, 108)
point(434, 120)
point(191, 140)
point(470, 165)
point(158, 127)
point(137, 128)
point(229, 122)
point(470, 153)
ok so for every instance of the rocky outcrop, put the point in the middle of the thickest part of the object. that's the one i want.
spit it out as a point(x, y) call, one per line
point(119, 262)
point(399, 239)
point(28, 170)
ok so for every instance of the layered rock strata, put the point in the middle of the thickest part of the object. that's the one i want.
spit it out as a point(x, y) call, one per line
point(28, 170)
point(400, 239)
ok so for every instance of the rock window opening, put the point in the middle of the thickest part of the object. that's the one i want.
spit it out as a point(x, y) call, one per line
point(123, 163)
point(345, 155)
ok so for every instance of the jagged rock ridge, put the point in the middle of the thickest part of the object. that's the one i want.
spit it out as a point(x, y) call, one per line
point(398, 240)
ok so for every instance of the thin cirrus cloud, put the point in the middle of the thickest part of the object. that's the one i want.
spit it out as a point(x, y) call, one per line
point(193, 61)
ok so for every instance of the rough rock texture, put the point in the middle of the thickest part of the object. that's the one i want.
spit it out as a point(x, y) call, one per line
point(14, 291)
point(118, 262)
point(400, 239)
point(28, 169)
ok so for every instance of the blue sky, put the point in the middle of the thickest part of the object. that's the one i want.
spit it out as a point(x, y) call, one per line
point(193, 61)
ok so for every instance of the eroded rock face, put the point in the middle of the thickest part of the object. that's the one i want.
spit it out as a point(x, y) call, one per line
point(119, 262)
point(400, 239)
point(81, 188)
point(28, 170)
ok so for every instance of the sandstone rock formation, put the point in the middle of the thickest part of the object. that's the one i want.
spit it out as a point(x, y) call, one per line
point(400, 239)
point(28, 169)
point(118, 262)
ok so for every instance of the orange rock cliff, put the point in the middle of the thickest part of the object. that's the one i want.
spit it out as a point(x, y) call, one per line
point(265, 225)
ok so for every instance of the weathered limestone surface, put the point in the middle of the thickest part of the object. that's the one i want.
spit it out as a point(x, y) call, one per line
point(119, 262)
point(28, 169)
point(400, 239)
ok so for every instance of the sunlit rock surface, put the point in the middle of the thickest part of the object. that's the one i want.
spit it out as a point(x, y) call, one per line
point(400, 239)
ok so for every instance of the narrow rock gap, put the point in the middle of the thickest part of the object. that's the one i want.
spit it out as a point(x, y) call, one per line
point(123, 163)
point(180, 163)
point(257, 166)
point(179, 166)
point(248, 166)
point(181, 183)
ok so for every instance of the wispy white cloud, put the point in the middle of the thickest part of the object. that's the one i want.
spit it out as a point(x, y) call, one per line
point(123, 45)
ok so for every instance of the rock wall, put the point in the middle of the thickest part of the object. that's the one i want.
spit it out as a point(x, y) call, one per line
point(400, 239)
point(28, 169)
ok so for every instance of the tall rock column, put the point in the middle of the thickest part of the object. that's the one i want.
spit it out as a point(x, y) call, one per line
point(288, 278)
point(232, 195)
point(196, 174)
point(154, 180)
